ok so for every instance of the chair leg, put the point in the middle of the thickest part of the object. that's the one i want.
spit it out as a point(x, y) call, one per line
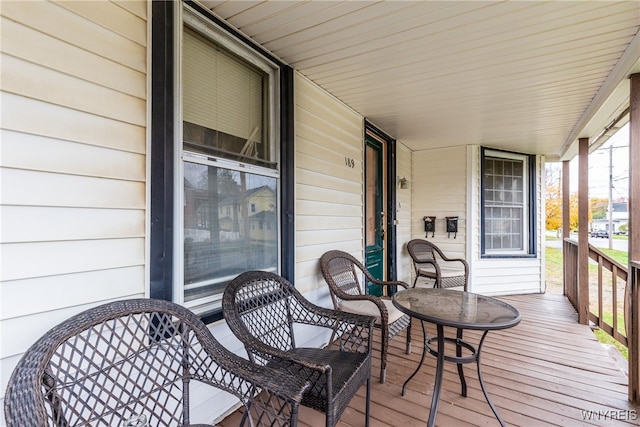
point(383, 355)
point(368, 402)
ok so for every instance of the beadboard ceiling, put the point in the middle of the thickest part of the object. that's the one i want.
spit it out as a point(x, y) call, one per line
point(529, 76)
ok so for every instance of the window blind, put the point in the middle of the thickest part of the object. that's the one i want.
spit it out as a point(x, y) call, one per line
point(221, 92)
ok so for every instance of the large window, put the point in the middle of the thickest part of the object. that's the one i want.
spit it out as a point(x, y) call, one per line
point(227, 180)
point(506, 204)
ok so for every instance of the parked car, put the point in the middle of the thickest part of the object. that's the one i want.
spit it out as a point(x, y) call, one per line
point(600, 233)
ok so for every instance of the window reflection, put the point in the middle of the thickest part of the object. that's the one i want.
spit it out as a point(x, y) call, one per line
point(230, 226)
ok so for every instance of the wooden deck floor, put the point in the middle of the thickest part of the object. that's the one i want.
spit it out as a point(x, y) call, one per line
point(547, 371)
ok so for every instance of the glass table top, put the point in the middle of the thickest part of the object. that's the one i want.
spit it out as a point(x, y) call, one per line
point(455, 308)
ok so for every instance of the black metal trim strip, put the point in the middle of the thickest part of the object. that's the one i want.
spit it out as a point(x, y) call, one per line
point(162, 152)
point(287, 173)
point(533, 236)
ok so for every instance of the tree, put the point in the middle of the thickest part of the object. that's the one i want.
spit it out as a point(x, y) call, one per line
point(599, 208)
point(553, 210)
point(553, 203)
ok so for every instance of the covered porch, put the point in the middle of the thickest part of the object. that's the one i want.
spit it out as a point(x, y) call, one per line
point(548, 370)
point(445, 82)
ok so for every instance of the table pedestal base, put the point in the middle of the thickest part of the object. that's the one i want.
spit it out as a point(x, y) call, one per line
point(459, 360)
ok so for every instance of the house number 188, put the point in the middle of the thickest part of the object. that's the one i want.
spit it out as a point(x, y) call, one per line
point(350, 162)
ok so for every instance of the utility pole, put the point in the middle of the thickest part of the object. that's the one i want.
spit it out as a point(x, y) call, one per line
point(610, 197)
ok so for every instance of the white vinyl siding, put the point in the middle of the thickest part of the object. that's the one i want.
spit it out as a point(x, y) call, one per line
point(329, 193)
point(73, 165)
point(404, 266)
point(439, 188)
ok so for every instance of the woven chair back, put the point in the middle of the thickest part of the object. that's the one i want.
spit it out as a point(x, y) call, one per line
point(267, 309)
point(126, 363)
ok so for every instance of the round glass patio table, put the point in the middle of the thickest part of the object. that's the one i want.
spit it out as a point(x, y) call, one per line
point(460, 310)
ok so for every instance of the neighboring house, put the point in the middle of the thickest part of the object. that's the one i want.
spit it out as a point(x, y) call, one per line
point(619, 218)
point(620, 211)
point(151, 150)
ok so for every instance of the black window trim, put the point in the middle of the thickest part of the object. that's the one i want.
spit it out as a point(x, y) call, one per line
point(532, 206)
point(162, 151)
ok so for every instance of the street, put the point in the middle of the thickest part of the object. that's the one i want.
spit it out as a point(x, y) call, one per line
point(620, 245)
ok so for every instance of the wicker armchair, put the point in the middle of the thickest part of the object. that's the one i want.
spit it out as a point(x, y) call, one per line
point(268, 315)
point(132, 363)
point(341, 271)
point(430, 262)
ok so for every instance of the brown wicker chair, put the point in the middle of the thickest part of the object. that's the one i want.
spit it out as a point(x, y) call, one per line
point(268, 315)
point(131, 363)
point(430, 262)
point(341, 271)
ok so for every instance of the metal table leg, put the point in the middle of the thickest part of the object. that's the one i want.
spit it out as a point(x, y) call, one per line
point(484, 390)
point(463, 382)
point(424, 352)
point(435, 399)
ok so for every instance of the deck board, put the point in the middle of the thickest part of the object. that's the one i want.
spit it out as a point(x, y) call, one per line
point(547, 371)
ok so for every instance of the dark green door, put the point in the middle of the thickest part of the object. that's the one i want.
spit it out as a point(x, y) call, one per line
point(374, 209)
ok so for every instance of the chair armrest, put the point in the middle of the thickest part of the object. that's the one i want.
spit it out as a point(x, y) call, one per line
point(432, 262)
point(387, 283)
point(353, 331)
point(383, 283)
point(384, 313)
point(265, 353)
point(313, 314)
point(272, 382)
point(445, 258)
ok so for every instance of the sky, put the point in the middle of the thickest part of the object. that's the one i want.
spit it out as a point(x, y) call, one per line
point(599, 168)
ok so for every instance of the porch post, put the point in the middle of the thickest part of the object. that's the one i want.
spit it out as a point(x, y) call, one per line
point(633, 331)
point(566, 199)
point(583, 231)
point(568, 284)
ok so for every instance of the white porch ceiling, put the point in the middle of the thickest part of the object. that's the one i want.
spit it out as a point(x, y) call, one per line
point(530, 76)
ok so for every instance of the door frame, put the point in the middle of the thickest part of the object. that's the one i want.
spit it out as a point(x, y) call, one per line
point(389, 176)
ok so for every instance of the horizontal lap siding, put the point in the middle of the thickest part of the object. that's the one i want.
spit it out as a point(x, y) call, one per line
point(439, 188)
point(329, 194)
point(403, 213)
point(73, 166)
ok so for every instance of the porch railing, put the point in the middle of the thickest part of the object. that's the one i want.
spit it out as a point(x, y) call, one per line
point(608, 290)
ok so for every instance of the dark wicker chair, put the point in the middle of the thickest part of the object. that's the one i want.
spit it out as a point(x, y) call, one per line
point(131, 363)
point(431, 263)
point(268, 315)
point(341, 271)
